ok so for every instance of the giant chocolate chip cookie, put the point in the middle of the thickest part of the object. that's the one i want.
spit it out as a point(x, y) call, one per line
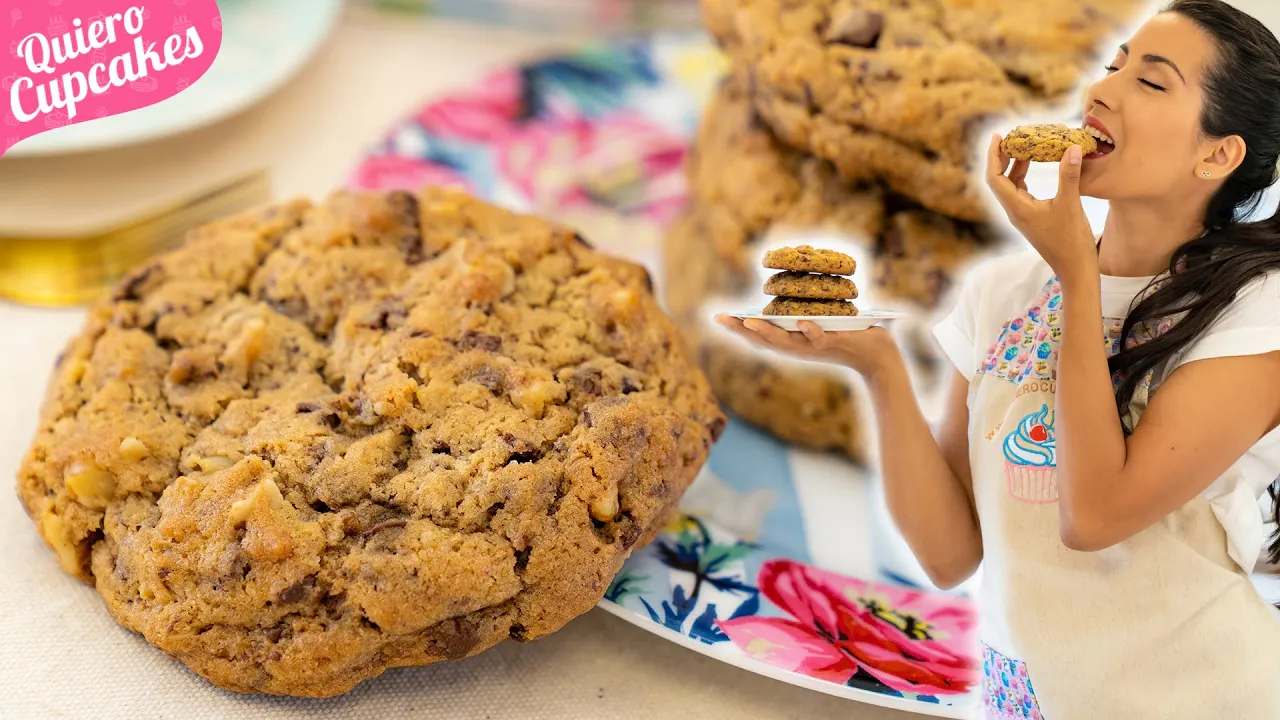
point(392, 429)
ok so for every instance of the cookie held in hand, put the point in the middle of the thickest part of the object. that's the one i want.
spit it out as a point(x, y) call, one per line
point(1046, 143)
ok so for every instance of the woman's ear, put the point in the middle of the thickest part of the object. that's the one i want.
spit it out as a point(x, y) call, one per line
point(1222, 157)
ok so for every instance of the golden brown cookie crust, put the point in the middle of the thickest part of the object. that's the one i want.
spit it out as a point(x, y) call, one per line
point(809, 259)
point(1046, 143)
point(799, 307)
point(390, 429)
point(811, 286)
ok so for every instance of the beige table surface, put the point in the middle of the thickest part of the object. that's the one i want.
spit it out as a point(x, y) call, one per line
point(61, 656)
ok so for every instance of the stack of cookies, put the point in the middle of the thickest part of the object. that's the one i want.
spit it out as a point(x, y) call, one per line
point(812, 282)
point(856, 118)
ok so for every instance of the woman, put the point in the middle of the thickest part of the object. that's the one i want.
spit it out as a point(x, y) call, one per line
point(1112, 420)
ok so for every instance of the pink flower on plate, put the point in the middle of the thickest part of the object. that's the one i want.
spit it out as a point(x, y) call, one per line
point(489, 113)
point(392, 172)
point(840, 627)
point(623, 163)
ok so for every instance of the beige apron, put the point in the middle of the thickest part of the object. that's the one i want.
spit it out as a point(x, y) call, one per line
point(1163, 625)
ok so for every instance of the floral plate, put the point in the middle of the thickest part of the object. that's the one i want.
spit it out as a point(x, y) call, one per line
point(784, 562)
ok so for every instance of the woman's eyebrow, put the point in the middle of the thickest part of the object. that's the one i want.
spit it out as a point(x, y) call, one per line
point(1157, 59)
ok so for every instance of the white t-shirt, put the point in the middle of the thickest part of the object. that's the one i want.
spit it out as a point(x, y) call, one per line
point(1127, 631)
point(999, 289)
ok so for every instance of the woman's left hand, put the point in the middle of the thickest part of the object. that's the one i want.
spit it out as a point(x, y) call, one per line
point(1057, 228)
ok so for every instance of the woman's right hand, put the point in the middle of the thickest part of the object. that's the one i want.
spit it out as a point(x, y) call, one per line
point(870, 352)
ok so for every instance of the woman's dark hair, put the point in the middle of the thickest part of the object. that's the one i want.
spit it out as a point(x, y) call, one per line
point(1241, 97)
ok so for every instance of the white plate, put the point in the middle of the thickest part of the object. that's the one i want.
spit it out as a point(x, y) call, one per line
point(829, 323)
point(264, 43)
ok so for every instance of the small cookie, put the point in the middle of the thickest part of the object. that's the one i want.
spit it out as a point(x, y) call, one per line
point(806, 258)
point(810, 286)
point(797, 306)
point(1046, 143)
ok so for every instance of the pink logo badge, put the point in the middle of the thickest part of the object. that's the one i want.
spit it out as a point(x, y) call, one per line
point(120, 55)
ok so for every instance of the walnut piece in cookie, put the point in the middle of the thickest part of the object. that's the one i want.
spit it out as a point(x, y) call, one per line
point(1046, 143)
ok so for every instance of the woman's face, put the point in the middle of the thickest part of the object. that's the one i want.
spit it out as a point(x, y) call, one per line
point(1149, 104)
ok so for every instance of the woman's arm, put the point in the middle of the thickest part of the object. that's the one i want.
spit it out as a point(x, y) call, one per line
point(1205, 417)
point(927, 481)
point(927, 478)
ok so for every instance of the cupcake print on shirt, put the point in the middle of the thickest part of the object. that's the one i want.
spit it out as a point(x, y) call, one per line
point(1030, 454)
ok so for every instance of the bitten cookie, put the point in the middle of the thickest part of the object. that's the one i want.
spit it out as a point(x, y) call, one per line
point(810, 286)
point(1046, 143)
point(797, 306)
point(317, 442)
point(809, 259)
